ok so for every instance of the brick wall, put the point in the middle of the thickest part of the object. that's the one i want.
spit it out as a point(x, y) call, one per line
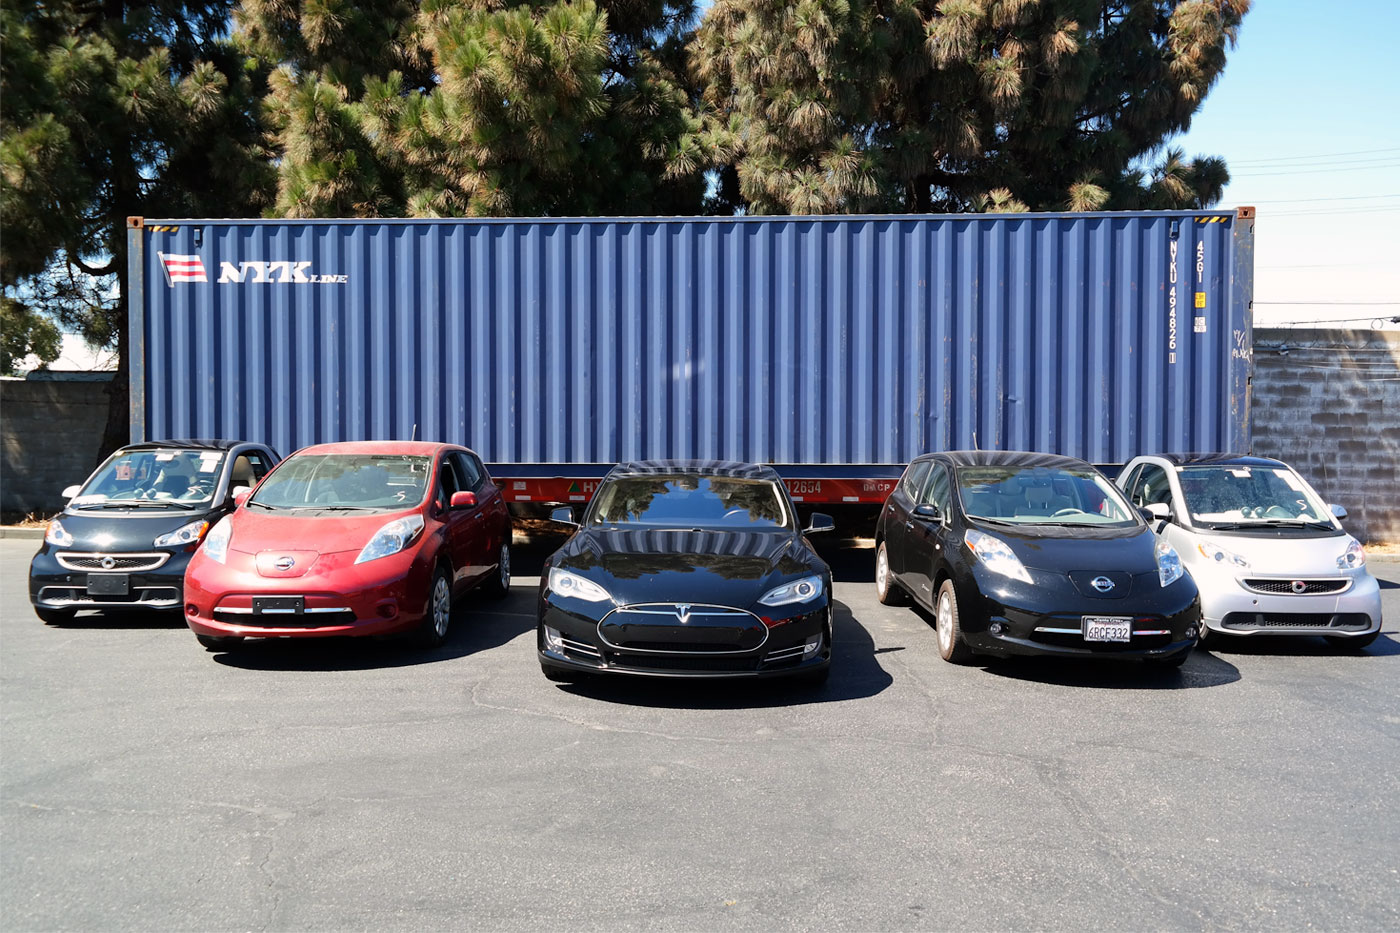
point(1328, 403)
point(49, 435)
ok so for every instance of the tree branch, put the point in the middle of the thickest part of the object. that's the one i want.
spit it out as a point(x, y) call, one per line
point(108, 269)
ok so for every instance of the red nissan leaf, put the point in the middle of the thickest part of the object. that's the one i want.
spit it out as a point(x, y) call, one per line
point(364, 538)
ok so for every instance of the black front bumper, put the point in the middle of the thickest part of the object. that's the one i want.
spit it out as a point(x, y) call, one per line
point(53, 586)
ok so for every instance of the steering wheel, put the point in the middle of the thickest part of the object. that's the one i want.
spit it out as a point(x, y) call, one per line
point(1068, 511)
point(1276, 511)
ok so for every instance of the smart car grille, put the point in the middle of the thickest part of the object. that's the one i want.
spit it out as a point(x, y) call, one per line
point(1306, 588)
point(1254, 621)
point(129, 563)
point(150, 597)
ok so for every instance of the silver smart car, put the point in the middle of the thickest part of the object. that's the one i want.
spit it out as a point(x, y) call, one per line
point(1265, 552)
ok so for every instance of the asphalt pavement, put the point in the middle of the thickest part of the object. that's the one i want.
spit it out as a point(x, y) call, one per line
point(146, 784)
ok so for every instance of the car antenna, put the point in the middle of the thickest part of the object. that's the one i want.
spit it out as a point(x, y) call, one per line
point(415, 432)
point(974, 441)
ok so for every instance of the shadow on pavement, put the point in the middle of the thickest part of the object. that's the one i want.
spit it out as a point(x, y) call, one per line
point(123, 619)
point(855, 674)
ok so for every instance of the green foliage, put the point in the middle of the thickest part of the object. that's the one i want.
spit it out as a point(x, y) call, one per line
point(853, 105)
point(25, 332)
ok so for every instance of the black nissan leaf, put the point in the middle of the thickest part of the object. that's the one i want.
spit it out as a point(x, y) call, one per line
point(687, 569)
point(1027, 553)
point(127, 534)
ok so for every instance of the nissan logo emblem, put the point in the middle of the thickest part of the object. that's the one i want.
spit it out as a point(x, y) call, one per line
point(108, 563)
point(1298, 586)
point(284, 563)
point(1102, 584)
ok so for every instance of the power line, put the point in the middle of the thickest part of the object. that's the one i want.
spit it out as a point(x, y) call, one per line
point(1321, 155)
point(1302, 212)
point(1318, 171)
point(1355, 197)
point(1318, 163)
point(1349, 304)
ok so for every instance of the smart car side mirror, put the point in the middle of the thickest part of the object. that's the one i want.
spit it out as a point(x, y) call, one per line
point(928, 512)
point(1337, 510)
point(72, 491)
point(563, 515)
point(241, 494)
point(463, 500)
point(1157, 511)
point(820, 522)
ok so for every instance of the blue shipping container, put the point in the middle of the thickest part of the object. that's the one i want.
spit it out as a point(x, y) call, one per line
point(789, 340)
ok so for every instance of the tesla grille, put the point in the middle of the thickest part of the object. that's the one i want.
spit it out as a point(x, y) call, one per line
point(681, 662)
point(1285, 587)
point(128, 563)
point(1288, 620)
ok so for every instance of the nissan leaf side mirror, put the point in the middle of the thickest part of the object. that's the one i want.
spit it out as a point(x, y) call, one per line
point(928, 512)
point(563, 515)
point(240, 495)
point(463, 500)
point(1339, 511)
point(820, 522)
point(72, 491)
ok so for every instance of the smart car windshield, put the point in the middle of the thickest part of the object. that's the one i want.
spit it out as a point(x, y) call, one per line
point(1229, 494)
point(1042, 496)
point(173, 478)
point(690, 501)
point(344, 482)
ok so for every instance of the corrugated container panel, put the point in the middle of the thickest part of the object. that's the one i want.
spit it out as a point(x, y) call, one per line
point(842, 340)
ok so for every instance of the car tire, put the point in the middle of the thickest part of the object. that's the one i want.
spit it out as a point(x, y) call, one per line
point(1208, 638)
point(55, 616)
point(219, 642)
point(887, 590)
point(498, 587)
point(951, 646)
point(1343, 643)
point(437, 615)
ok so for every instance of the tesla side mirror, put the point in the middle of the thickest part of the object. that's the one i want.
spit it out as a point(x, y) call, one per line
point(1337, 510)
point(241, 494)
point(563, 515)
point(928, 512)
point(463, 500)
point(72, 491)
point(819, 523)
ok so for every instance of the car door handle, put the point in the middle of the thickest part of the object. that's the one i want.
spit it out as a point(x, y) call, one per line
point(909, 525)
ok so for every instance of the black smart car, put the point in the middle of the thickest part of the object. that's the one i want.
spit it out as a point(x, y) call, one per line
point(1026, 553)
point(126, 535)
point(687, 569)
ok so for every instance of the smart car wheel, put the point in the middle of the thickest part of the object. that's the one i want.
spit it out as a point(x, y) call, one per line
point(219, 642)
point(1351, 644)
point(498, 587)
point(886, 589)
point(437, 615)
point(951, 646)
point(55, 616)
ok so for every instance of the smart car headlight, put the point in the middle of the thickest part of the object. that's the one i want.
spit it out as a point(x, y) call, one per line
point(798, 591)
point(564, 583)
point(216, 542)
point(1354, 556)
point(185, 534)
point(391, 538)
point(1169, 568)
point(1219, 555)
point(997, 555)
point(58, 535)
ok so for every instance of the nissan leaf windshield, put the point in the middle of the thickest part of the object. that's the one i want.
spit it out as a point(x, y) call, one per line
point(1241, 496)
point(1042, 496)
point(344, 482)
point(690, 501)
point(171, 478)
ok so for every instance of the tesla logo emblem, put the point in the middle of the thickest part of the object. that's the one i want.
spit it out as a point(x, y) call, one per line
point(1102, 584)
point(108, 564)
point(1298, 586)
point(683, 612)
point(284, 563)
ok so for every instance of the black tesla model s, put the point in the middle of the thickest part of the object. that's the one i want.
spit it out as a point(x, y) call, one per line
point(1026, 553)
point(687, 569)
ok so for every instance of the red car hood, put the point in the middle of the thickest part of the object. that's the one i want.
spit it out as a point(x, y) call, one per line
point(256, 532)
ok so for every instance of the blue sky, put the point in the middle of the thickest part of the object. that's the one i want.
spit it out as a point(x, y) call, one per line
point(1307, 115)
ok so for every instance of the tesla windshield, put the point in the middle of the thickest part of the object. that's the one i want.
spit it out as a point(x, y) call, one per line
point(1230, 494)
point(690, 501)
point(1042, 495)
point(333, 482)
point(172, 478)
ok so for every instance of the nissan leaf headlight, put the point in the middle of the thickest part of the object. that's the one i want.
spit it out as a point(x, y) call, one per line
point(1169, 568)
point(185, 534)
point(391, 538)
point(58, 535)
point(216, 542)
point(798, 591)
point(563, 583)
point(1354, 556)
point(997, 555)
point(1219, 555)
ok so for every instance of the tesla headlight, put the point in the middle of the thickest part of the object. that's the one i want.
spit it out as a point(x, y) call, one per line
point(391, 538)
point(1354, 556)
point(58, 535)
point(1219, 555)
point(216, 542)
point(1169, 568)
point(997, 555)
point(185, 534)
point(563, 583)
point(798, 591)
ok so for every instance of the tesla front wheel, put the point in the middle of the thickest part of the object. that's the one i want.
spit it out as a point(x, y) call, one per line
point(951, 646)
point(437, 615)
point(886, 589)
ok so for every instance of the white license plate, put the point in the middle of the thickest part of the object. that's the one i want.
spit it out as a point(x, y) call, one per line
point(1108, 628)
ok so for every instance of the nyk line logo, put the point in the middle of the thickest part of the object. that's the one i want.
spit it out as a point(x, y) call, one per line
point(281, 272)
